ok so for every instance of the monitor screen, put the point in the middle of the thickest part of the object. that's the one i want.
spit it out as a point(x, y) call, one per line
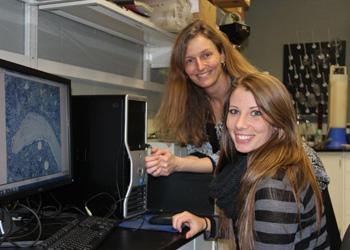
point(34, 131)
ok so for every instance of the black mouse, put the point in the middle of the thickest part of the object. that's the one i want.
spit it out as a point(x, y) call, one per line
point(161, 219)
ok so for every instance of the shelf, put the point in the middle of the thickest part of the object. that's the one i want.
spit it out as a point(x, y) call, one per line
point(111, 18)
point(83, 75)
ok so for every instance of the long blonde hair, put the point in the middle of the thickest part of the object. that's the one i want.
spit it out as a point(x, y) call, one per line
point(185, 107)
point(282, 152)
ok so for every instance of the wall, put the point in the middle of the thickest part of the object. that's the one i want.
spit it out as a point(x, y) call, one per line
point(12, 24)
point(275, 23)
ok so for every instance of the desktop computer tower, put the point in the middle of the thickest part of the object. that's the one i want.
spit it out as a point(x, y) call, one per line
point(109, 146)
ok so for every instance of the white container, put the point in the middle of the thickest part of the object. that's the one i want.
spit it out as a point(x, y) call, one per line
point(337, 96)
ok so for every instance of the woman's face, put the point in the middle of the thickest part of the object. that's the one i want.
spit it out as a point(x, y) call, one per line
point(203, 62)
point(246, 123)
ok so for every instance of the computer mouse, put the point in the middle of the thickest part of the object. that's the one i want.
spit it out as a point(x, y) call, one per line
point(161, 219)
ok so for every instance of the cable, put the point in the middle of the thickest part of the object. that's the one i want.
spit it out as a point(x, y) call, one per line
point(69, 206)
point(88, 211)
point(39, 223)
point(5, 234)
point(30, 200)
point(52, 211)
point(2, 228)
point(111, 211)
point(143, 220)
point(9, 238)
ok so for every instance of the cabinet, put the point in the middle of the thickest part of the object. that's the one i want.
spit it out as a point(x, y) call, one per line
point(234, 6)
point(232, 3)
point(346, 191)
point(199, 244)
point(337, 165)
point(109, 20)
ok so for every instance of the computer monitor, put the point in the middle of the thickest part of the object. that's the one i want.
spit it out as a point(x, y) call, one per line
point(34, 131)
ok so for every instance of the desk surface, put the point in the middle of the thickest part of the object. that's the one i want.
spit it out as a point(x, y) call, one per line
point(142, 239)
point(130, 239)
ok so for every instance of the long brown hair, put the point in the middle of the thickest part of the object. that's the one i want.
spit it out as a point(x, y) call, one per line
point(282, 152)
point(185, 107)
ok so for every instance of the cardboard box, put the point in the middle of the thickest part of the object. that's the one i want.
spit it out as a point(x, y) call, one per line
point(233, 6)
point(231, 3)
point(202, 9)
point(205, 10)
point(170, 15)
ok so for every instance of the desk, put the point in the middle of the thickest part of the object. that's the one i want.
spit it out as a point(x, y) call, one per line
point(129, 239)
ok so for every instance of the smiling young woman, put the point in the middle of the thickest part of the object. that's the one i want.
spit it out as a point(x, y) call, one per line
point(264, 184)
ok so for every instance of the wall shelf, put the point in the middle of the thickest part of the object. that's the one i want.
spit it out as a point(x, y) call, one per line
point(84, 75)
point(113, 19)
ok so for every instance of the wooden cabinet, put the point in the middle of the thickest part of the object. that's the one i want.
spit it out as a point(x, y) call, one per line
point(337, 165)
point(346, 191)
point(232, 3)
point(233, 6)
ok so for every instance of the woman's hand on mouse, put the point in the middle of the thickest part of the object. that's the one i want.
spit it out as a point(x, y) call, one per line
point(195, 223)
point(160, 162)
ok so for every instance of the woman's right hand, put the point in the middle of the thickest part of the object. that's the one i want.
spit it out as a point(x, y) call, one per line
point(161, 162)
point(195, 223)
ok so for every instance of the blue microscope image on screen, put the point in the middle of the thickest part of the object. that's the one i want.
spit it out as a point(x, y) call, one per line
point(32, 128)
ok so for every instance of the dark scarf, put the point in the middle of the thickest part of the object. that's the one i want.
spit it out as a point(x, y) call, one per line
point(226, 184)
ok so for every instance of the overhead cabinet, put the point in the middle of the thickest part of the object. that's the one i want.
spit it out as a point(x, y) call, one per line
point(337, 165)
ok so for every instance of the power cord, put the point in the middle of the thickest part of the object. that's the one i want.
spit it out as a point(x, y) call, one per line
point(113, 207)
point(9, 236)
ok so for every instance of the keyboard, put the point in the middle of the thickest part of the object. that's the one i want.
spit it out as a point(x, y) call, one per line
point(85, 234)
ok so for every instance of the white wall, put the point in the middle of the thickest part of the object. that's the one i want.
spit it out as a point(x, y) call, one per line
point(277, 22)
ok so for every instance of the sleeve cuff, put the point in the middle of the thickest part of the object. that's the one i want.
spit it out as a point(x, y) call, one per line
point(214, 229)
point(201, 155)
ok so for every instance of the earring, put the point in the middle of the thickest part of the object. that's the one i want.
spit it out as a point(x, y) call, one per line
point(280, 133)
point(223, 65)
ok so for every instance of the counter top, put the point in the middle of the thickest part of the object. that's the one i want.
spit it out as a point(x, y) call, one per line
point(331, 150)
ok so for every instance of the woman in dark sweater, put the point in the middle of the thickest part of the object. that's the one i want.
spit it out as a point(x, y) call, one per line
point(264, 184)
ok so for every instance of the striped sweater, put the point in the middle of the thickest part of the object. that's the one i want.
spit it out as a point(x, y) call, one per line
point(276, 223)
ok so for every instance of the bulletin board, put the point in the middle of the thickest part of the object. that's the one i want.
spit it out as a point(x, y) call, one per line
point(306, 75)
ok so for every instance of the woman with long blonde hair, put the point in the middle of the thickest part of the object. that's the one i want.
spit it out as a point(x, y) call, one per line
point(202, 66)
point(265, 184)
